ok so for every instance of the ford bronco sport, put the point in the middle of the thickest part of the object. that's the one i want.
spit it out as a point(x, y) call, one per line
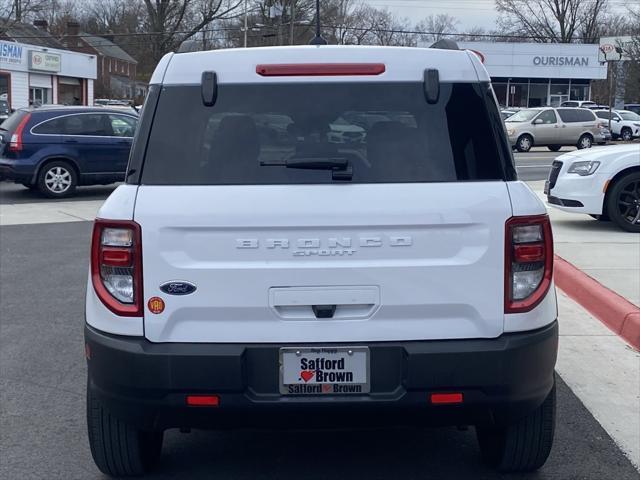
point(259, 270)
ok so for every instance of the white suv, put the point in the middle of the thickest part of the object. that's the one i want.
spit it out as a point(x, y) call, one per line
point(624, 124)
point(257, 271)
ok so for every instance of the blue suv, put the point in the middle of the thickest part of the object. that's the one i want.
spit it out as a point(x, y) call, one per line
point(55, 149)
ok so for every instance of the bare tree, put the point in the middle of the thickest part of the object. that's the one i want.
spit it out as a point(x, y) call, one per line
point(171, 22)
point(22, 10)
point(437, 26)
point(561, 21)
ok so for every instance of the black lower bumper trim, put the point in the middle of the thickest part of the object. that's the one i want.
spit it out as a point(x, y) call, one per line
point(146, 384)
point(563, 202)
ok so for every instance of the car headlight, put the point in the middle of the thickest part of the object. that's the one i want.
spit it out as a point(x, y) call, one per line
point(511, 131)
point(583, 168)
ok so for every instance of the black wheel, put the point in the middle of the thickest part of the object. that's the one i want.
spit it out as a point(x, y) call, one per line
point(626, 134)
point(523, 446)
point(586, 141)
point(118, 449)
point(57, 179)
point(554, 148)
point(623, 202)
point(524, 143)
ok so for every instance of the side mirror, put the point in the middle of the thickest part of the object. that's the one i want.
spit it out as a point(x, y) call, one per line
point(617, 119)
point(538, 121)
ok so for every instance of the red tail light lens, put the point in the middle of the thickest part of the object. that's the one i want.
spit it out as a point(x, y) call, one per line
point(320, 69)
point(528, 262)
point(116, 266)
point(15, 144)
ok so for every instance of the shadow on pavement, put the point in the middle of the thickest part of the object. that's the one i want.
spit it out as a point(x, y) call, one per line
point(16, 193)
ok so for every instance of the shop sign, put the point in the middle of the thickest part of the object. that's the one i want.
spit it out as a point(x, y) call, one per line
point(10, 53)
point(561, 61)
point(44, 61)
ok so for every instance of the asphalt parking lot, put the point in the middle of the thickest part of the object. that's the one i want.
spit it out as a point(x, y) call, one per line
point(42, 382)
point(43, 270)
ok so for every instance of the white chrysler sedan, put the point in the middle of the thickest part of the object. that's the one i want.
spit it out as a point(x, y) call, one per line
point(602, 182)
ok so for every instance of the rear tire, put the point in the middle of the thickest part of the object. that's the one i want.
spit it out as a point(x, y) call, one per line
point(118, 449)
point(524, 143)
point(523, 446)
point(57, 179)
point(586, 141)
point(554, 148)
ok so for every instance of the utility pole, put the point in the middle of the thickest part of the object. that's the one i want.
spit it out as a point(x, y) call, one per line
point(292, 11)
point(246, 22)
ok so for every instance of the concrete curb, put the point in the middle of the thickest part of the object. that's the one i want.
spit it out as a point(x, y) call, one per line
point(616, 312)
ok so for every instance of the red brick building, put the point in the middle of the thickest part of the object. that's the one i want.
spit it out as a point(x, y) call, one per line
point(116, 68)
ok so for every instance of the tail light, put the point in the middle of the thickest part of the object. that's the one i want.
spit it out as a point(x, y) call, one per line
point(116, 266)
point(528, 262)
point(15, 144)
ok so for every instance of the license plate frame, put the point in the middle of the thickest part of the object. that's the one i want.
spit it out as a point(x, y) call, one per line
point(336, 388)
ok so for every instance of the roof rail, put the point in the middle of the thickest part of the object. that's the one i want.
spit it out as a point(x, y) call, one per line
point(445, 44)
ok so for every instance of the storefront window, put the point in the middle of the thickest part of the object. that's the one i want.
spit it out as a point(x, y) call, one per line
point(500, 90)
point(69, 91)
point(579, 92)
point(518, 95)
point(5, 80)
point(39, 96)
point(538, 93)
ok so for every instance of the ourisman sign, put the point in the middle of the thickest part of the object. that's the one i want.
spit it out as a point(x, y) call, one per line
point(562, 61)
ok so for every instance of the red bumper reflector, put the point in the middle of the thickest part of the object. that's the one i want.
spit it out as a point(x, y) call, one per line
point(203, 400)
point(319, 69)
point(528, 253)
point(446, 398)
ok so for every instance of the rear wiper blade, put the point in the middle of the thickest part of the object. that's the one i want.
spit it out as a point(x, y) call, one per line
point(341, 170)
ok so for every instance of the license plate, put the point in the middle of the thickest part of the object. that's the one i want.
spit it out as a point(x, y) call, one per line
point(324, 371)
point(546, 187)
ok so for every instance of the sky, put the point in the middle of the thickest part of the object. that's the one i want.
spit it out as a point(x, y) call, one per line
point(470, 13)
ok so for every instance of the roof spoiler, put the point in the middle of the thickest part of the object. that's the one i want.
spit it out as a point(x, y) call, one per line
point(445, 44)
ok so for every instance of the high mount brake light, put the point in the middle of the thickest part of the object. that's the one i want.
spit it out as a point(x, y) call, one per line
point(116, 266)
point(320, 69)
point(528, 262)
point(15, 144)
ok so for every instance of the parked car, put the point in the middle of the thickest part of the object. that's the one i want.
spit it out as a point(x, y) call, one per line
point(403, 278)
point(603, 183)
point(507, 113)
point(5, 110)
point(554, 128)
point(633, 107)
point(578, 103)
point(624, 124)
point(54, 149)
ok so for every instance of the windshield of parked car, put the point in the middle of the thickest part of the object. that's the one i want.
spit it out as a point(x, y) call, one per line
point(629, 116)
point(387, 132)
point(523, 116)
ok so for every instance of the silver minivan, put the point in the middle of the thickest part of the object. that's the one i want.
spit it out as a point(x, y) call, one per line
point(554, 128)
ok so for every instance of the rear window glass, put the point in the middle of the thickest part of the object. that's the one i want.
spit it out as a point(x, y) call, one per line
point(569, 115)
point(386, 133)
point(11, 123)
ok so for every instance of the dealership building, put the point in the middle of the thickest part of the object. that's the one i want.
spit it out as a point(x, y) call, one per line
point(539, 74)
point(35, 75)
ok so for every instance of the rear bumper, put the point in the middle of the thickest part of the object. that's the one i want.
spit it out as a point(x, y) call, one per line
point(146, 384)
point(10, 170)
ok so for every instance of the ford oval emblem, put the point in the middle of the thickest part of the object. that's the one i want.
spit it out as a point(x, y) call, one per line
point(178, 287)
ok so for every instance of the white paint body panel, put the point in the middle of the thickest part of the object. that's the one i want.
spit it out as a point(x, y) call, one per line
point(403, 64)
point(120, 204)
point(100, 317)
point(430, 289)
point(590, 189)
